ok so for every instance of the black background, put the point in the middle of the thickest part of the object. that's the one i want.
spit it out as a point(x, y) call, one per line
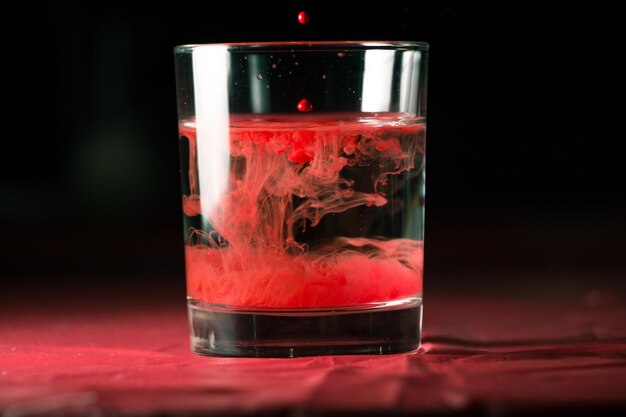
point(525, 187)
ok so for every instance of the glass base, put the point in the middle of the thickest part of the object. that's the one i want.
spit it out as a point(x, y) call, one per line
point(393, 327)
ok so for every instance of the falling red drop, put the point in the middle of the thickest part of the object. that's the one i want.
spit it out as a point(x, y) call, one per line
point(305, 105)
point(303, 18)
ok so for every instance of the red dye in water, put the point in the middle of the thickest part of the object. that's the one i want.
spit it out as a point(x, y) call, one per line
point(292, 177)
point(304, 105)
point(303, 18)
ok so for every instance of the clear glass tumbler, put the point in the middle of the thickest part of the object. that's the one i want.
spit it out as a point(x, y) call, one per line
point(303, 196)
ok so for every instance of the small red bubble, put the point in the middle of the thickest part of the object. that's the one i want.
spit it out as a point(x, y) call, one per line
point(305, 105)
point(303, 18)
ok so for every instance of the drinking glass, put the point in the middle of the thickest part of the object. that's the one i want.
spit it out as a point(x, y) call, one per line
point(302, 167)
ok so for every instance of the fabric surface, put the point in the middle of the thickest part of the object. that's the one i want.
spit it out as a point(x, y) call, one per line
point(481, 356)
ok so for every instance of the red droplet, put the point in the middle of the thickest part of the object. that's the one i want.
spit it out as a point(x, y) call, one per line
point(303, 18)
point(305, 105)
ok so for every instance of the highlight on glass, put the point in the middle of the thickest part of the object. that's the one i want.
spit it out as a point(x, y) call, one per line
point(302, 169)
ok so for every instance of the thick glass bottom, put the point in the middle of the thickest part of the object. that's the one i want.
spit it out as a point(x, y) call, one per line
point(393, 327)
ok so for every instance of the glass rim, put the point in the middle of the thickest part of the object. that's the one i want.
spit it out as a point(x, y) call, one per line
point(309, 46)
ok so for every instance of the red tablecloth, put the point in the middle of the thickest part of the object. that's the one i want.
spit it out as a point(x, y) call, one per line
point(480, 355)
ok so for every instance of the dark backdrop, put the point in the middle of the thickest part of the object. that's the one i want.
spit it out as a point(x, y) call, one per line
point(525, 185)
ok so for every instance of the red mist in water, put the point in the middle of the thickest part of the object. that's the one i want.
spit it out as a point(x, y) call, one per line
point(288, 176)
